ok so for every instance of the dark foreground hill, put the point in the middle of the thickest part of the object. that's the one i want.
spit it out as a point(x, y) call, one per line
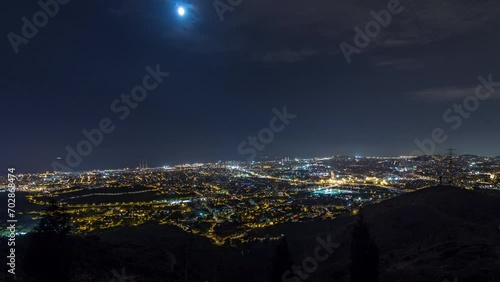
point(435, 234)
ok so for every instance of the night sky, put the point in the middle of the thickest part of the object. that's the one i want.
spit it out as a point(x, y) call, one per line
point(227, 76)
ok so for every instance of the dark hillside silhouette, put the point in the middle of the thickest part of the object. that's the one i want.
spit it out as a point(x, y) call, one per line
point(364, 254)
point(49, 254)
point(282, 261)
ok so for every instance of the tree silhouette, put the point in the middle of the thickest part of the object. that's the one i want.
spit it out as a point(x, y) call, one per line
point(282, 261)
point(364, 254)
point(49, 252)
point(55, 220)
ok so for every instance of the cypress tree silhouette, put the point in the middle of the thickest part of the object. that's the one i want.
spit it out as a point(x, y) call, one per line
point(49, 252)
point(282, 261)
point(364, 254)
point(55, 220)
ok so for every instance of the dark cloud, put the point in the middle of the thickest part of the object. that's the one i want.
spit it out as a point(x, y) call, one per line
point(298, 24)
point(446, 94)
point(284, 56)
point(400, 64)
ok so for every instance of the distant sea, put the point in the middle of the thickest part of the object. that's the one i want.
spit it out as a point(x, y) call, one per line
point(24, 220)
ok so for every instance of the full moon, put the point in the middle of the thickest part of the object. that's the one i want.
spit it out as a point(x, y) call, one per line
point(181, 11)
